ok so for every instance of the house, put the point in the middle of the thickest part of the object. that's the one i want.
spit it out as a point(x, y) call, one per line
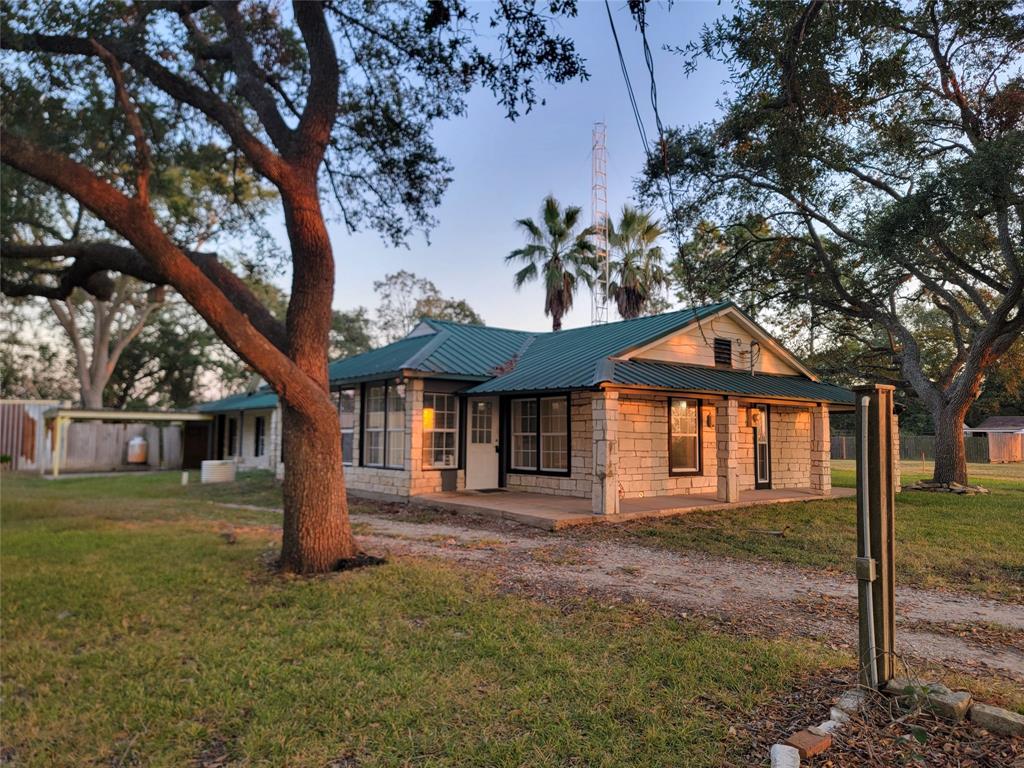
point(246, 427)
point(1005, 438)
point(699, 403)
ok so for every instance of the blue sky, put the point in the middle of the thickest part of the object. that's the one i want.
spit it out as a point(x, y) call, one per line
point(503, 169)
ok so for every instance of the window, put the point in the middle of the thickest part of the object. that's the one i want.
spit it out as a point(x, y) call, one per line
point(540, 434)
point(347, 416)
point(384, 426)
point(232, 435)
point(481, 421)
point(554, 434)
point(396, 426)
point(684, 436)
point(259, 436)
point(723, 353)
point(440, 430)
point(524, 434)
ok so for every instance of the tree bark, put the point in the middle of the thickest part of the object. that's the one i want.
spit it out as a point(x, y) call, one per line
point(317, 534)
point(950, 453)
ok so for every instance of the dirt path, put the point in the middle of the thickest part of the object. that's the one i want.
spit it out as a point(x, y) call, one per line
point(959, 632)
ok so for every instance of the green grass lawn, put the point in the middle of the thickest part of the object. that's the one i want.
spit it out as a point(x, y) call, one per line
point(972, 543)
point(134, 634)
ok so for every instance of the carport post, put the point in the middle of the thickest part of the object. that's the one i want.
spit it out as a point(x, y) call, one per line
point(876, 500)
point(58, 423)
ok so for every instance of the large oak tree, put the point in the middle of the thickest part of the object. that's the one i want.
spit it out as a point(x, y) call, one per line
point(317, 100)
point(869, 161)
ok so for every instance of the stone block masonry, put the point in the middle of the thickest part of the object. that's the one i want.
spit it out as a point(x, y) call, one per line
point(581, 478)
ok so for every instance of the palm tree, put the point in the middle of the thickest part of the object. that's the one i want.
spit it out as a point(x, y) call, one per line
point(637, 267)
point(557, 254)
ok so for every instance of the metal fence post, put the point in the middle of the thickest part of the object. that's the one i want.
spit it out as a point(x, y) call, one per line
point(875, 533)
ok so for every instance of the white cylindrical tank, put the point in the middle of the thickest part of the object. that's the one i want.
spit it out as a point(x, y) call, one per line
point(217, 471)
point(137, 449)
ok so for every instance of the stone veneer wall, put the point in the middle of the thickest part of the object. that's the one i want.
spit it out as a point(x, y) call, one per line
point(413, 479)
point(580, 481)
point(791, 447)
point(643, 450)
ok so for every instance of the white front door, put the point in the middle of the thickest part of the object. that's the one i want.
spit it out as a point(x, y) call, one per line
point(482, 443)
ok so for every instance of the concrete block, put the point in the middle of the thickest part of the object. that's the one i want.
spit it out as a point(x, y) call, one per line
point(828, 727)
point(997, 720)
point(936, 697)
point(785, 756)
point(851, 701)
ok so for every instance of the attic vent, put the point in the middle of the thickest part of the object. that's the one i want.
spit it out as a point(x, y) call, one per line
point(723, 353)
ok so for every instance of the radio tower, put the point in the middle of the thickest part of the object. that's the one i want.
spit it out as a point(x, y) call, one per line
point(599, 222)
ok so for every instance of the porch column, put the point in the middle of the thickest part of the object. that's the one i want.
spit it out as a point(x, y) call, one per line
point(727, 437)
point(821, 451)
point(605, 487)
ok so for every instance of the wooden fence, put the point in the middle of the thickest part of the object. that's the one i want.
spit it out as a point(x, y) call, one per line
point(87, 446)
point(93, 446)
point(913, 447)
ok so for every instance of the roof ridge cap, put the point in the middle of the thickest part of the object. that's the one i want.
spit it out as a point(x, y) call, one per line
point(442, 335)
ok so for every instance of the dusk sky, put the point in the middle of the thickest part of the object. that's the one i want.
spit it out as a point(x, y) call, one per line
point(503, 169)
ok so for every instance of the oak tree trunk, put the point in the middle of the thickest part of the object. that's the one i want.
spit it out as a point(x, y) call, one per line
point(950, 454)
point(317, 534)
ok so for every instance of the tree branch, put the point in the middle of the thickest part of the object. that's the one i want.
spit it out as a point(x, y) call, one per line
point(143, 161)
point(92, 262)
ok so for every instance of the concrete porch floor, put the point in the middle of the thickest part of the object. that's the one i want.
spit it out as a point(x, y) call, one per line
point(552, 513)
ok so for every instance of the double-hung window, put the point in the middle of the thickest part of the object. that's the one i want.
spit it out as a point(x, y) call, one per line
point(684, 436)
point(440, 430)
point(347, 415)
point(539, 428)
point(384, 426)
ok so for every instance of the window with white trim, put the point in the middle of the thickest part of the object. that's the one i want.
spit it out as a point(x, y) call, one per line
point(347, 416)
point(684, 435)
point(539, 428)
point(440, 430)
point(384, 426)
point(481, 419)
point(373, 426)
point(396, 426)
point(524, 434)
point(554, 434)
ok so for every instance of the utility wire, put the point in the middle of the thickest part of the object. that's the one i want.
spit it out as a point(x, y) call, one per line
point(667, 203)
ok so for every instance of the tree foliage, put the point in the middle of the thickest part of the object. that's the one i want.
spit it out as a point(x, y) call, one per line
point(558, 253)
point(405, 298)
point(869, 164)
point(637, 265)
point(119, 106)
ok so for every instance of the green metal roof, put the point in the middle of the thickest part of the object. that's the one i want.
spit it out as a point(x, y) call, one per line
point(384, 361)
point(442, 348)
point(506, 361)
point(723, 381)
point(244, 401)
point(571, 359)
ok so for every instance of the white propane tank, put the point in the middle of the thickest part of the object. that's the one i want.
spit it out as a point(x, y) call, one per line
point(217, 471)
point(137, 449)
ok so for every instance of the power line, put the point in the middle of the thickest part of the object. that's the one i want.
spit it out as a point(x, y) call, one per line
point(667, 204)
